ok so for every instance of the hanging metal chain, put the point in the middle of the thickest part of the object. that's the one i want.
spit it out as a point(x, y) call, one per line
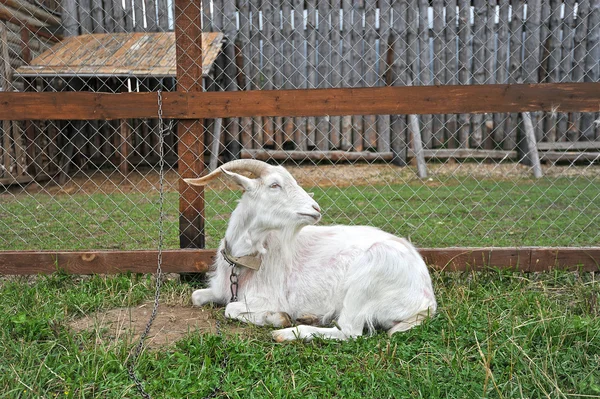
point(140, 346)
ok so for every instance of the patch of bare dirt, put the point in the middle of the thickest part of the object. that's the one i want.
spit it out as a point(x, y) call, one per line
point(172, 323)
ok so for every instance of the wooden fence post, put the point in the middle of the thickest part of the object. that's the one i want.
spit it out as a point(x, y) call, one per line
point(190, 147)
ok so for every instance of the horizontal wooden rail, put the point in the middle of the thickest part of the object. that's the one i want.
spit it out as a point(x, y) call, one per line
point(527, 259)
point(555, 97)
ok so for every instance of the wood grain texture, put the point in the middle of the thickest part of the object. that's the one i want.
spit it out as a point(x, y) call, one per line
point(525, 259)
point(190, 132)
point(332, 156)
point(101, 262)
point(119, 54)
point(559, 97)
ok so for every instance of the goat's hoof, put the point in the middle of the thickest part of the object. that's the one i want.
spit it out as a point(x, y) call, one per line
point(279, 319)
point(308, 319)
point(286, 334)
point(200, 297)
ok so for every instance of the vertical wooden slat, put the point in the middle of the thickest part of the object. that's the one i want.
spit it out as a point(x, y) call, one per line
point(190, 147)
point(565, 65)
point(464, 66)
point(398, 128)
point(69, 17)
point(325, 51)
point(108, 21)
point(256, 74)
point(531, 61)
point(346, 121)
point(592, 66)
point(553, 41)
point(138, 14)
point(502, 32)
point(151, 18)
point(515, 68)
point(25, 48)
point(439, 59)
point(425, 76)
point(490, 77)
point(544, 57)
point(243, 43)
point(278, 69)
point(357, 62)
point(163, 15)
point(96, 16)
point(288, 67)
point(125, 145)
point(299, 74)
point(85, 16)
point(545, 11)
point(128, 16)
point(552, 71)
point(450, 66)
point(334, 72)
point(225, 132)
point(479, 40)
point(384, 121)
point(268, 18)
point(119, 16)
point(311, 71)
point(370, 70)
point(5, 84)
point(579, 52)
point(206, 17)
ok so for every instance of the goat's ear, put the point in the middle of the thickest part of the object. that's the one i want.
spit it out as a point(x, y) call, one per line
point(244, 182)
point(312, 195)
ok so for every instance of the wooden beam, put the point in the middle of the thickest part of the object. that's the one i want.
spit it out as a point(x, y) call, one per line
point(557, 156)
point(401, 100)
point(570, 145)
point(190, 144)
point(464, 153)
point(525, 259)
point(333, 156)
point(103, 262)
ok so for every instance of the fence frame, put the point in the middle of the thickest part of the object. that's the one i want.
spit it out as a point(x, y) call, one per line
point(191, 106)
point(524, 259)
point(390, 100)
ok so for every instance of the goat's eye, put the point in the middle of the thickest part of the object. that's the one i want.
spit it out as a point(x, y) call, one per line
point(275, 185)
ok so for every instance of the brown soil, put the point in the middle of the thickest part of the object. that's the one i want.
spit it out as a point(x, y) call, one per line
point(172, 323)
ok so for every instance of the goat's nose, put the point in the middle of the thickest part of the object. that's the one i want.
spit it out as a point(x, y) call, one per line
point(316, 208)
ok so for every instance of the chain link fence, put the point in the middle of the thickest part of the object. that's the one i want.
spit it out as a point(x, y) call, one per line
point(69, 185)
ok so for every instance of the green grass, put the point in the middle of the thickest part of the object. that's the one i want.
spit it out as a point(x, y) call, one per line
point(451, 212)
point(497, 334)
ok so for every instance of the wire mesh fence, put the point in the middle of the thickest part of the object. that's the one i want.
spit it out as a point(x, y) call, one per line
point(93, 184)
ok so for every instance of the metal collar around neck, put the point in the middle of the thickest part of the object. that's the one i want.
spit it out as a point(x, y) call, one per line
point(250, 261)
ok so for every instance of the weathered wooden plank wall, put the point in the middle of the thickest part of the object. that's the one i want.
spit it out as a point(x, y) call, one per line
point(26, 30)
point(285, 44)
point(364, 43)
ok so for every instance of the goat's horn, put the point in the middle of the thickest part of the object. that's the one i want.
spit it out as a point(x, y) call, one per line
point(253, 166)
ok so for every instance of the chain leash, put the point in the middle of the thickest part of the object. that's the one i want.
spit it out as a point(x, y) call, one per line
point(140, 346)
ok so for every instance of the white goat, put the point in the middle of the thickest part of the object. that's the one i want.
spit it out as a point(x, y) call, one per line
point(356, 275)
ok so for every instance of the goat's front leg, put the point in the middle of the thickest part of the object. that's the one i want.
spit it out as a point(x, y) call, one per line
point(204, 296)
point(241, 311)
